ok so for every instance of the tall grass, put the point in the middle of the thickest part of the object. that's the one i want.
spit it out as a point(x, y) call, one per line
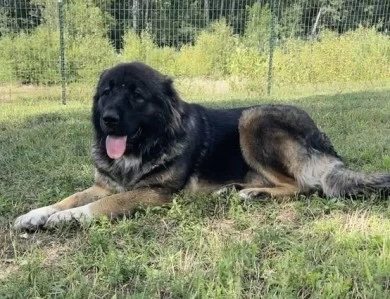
point(360, 55)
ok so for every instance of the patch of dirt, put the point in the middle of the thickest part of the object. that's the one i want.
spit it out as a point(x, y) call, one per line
point(17, 245)
point(54, 251)
point(7, 268)
point(288, 215)
point(228, 229)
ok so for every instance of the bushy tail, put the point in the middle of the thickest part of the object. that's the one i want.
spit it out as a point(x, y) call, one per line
point(341, 181)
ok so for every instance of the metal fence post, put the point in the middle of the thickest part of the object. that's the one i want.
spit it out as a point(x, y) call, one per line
point(271, 46)
point(62, 51)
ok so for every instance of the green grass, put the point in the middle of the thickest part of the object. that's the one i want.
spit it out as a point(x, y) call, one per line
point(203, 246)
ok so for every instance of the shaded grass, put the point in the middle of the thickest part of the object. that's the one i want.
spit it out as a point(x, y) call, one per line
point(203, 246)
point(200, 89)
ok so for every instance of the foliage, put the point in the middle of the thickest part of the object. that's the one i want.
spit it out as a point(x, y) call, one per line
point(137, 47)
point(25, 56)
point(142, 48)
point(175, 23)
point(87, 59)
point(361, 54)
point(257, 30)
point(34, 57)
point(208, 57)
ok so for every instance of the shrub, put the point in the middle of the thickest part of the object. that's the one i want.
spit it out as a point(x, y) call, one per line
point(247, 61)
point(164, 59)
point(360, 55)
point(6, 74)
point(33, 57)
point(89, 51)
point(137, 47)
point(29, 62)
point(88, 57)
point(257, 28)
point(142, 48)
point(208, 57)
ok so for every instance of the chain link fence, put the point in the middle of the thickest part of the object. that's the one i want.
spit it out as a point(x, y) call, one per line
point(242, 47)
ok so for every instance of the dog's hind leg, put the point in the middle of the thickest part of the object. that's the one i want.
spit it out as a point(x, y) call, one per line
point(267, 192)
point(283, 142)
point(275, 142)
point(281, 187)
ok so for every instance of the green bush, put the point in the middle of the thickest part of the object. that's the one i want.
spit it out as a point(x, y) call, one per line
point(87, 57)
point(142, 48)
point(164, 59)
point(137, 47)
point(6, 73)
point(247, 62)
point(88, 51)
point(360, 55)
point(257, 30)
point(208, 57)
point(189, 63)
point(33, 57)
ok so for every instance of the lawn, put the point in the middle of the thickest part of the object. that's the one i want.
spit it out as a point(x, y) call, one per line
point(202, 246)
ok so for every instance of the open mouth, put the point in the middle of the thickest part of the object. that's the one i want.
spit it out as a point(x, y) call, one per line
point(116, 145)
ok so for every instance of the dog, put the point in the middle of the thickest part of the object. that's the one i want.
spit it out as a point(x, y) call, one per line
point(150, 144)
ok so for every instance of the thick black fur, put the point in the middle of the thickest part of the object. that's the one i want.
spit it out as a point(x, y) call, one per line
point(262, 151)
point(211, 142)
point(172, 141)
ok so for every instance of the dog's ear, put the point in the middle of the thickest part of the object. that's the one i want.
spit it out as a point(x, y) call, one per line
point(96, 95)
point(102, 73)
point(168, 88)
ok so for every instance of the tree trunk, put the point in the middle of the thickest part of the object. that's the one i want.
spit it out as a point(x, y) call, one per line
point(221, 9)
point(135, 15)
point(206, 12)
point(313, 31)
point(232, 7)
point(146, 14)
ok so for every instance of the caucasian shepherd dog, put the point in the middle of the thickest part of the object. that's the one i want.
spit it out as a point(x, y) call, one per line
point(150, 144)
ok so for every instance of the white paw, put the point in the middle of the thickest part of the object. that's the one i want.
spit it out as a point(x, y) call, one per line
point(221, 191)
point(81, 214)
point(253, 193)
point(34, 218)
point(243, 194)
point(228, 189)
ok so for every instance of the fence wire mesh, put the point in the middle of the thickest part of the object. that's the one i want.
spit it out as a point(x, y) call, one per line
point(244, 46)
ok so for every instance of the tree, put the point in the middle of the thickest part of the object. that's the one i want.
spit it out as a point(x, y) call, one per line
point(17, 15)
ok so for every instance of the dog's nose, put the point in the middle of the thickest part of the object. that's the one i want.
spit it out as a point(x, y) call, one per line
point(110, 118)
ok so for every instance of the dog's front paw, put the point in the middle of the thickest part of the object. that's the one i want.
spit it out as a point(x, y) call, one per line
point(229, 188)
point(253, 193)
point(34, 218)
point(80, 214)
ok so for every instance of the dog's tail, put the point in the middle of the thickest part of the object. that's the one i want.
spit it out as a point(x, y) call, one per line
point(337, 180)
point(342, 181)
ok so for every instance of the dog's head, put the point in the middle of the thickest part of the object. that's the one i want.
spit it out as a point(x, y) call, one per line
point(133, 103)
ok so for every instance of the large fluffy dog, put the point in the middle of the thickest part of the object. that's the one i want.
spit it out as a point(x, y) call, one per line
point(149, 144)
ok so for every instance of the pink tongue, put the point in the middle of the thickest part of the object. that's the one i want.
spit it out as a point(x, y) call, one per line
point(116, 146)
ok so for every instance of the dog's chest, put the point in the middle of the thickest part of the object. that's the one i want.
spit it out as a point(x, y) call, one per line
point(128, 170)
point(127, 164)
point(120, 174)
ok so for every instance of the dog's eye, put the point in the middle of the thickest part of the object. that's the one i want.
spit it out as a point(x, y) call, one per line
point(139, 101)
point(106, 92)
